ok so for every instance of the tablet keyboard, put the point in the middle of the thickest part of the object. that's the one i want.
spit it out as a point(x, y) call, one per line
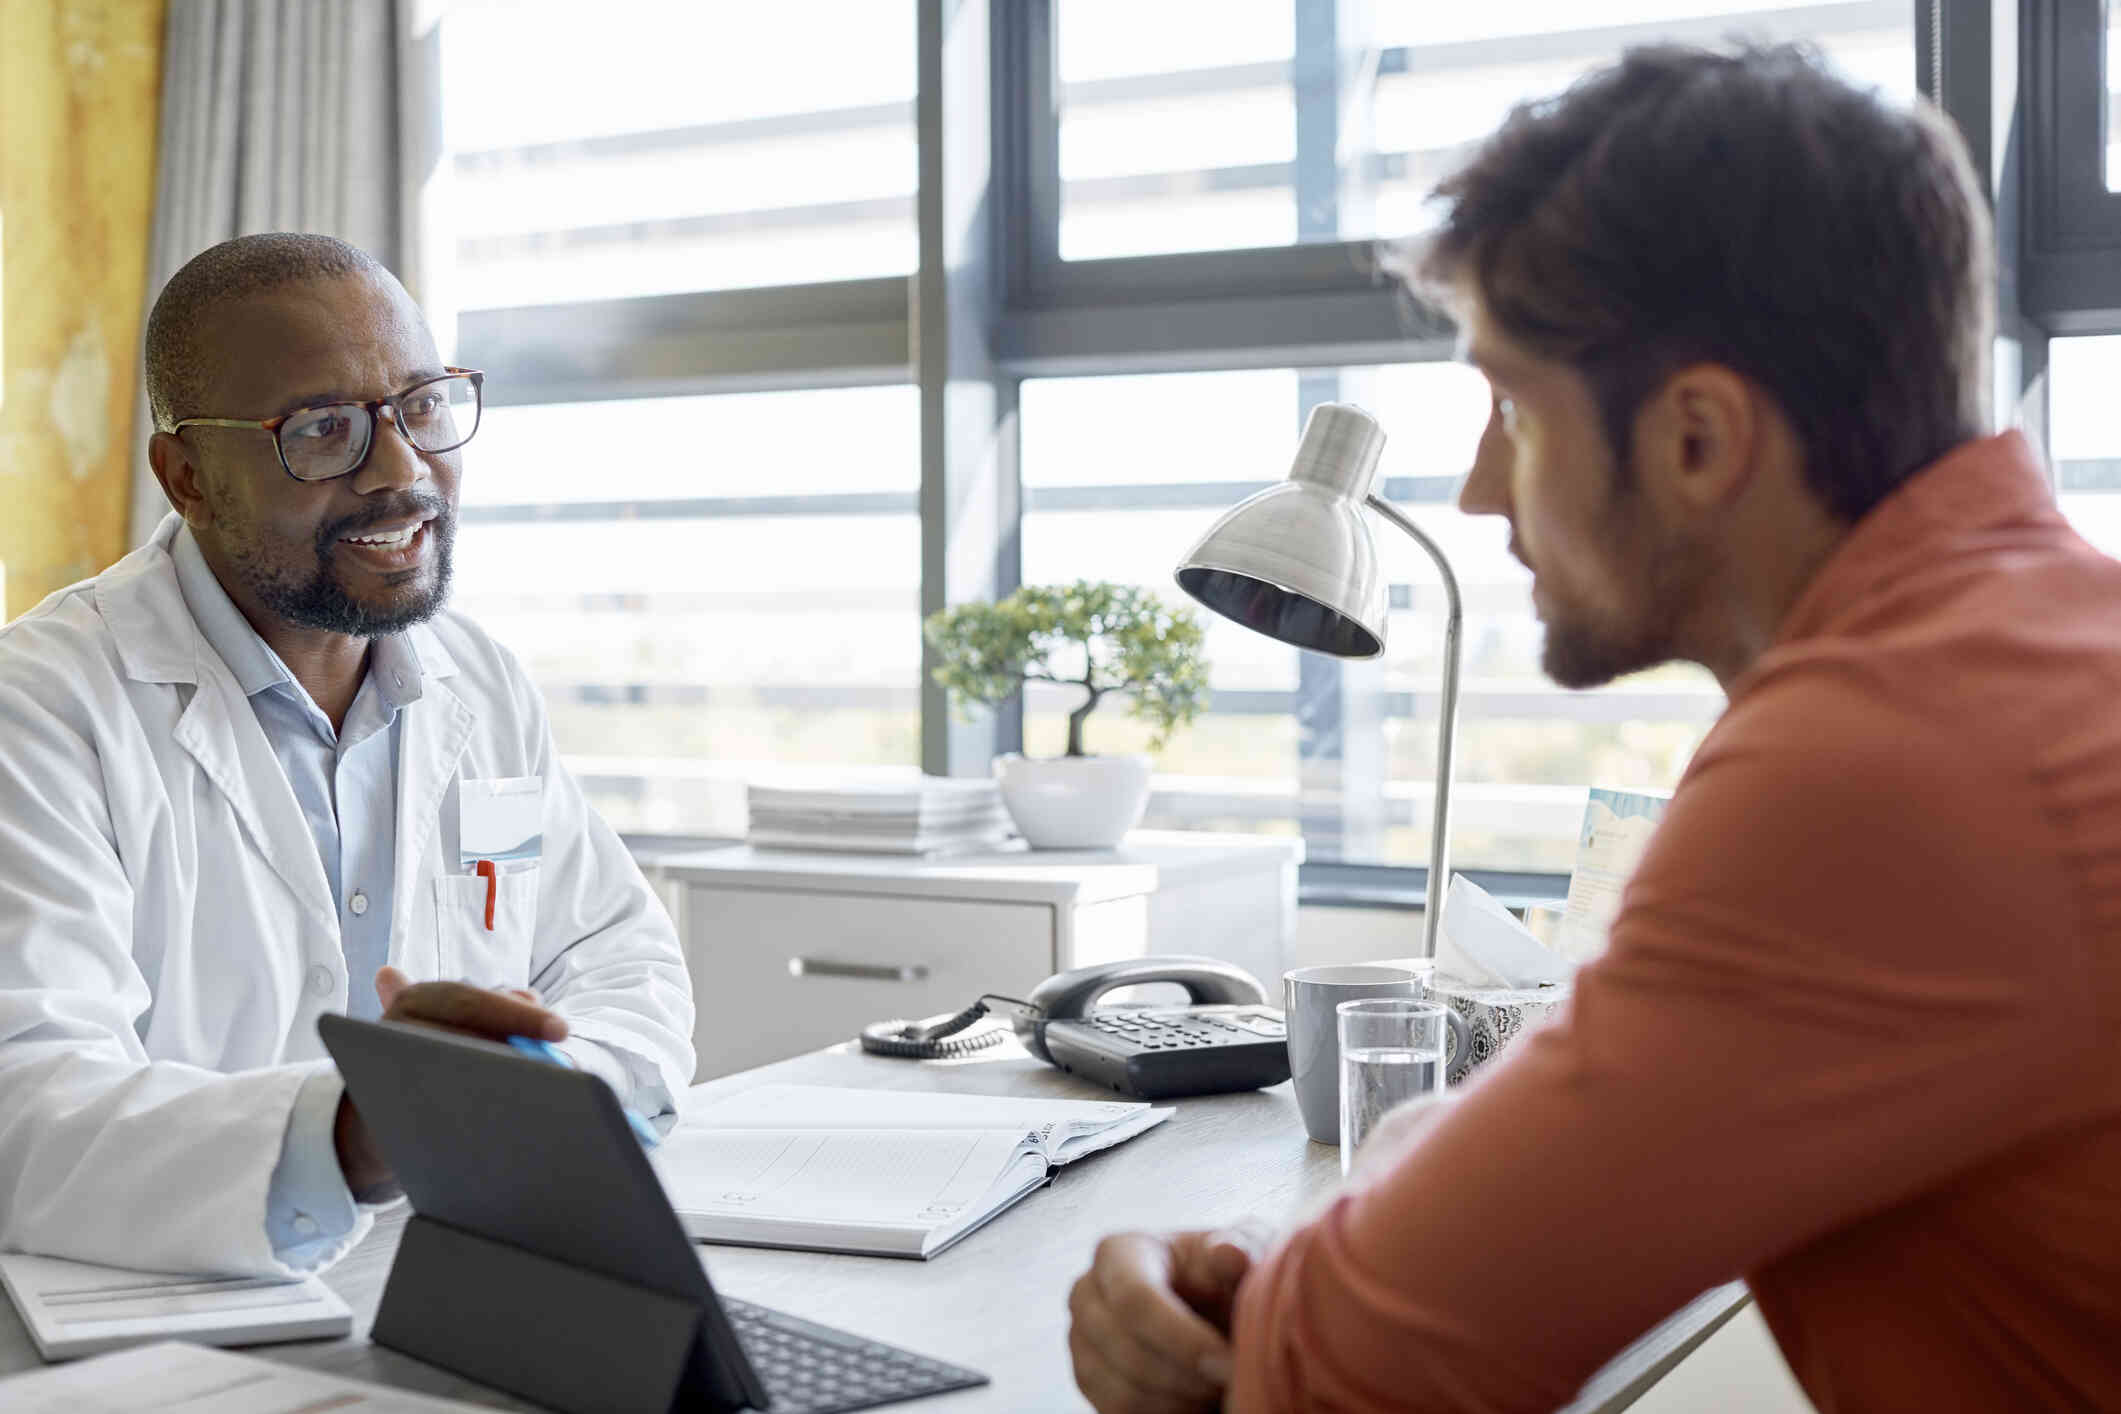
point(812, 1369)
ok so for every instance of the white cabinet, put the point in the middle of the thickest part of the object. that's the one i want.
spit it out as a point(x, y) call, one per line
point(792, 951)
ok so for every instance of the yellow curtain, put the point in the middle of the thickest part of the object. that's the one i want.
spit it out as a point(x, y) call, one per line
point(79, 86)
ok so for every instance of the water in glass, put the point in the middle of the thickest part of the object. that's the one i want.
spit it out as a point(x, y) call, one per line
point(1374, 1079)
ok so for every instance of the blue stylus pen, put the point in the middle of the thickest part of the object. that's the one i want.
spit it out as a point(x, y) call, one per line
point(553, 1055)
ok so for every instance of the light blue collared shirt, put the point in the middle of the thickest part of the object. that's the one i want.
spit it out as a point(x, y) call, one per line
point(346, 784)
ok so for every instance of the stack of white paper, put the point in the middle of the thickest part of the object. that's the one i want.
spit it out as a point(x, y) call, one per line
point(74, 1308)
point(882, 1172)
point(934, 814)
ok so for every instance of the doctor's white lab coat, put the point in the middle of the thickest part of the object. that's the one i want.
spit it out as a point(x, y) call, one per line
point(168, 938)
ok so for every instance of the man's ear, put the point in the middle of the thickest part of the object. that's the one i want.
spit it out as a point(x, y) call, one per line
point(180, 477)
point(1696, 437)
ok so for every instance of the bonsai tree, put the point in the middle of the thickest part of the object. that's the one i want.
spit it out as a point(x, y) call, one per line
point(1102, 638)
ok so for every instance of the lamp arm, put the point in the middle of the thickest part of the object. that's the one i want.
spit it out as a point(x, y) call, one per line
point(1446, 726)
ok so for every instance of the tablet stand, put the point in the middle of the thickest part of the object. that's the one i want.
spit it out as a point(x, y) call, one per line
point(554, 1333)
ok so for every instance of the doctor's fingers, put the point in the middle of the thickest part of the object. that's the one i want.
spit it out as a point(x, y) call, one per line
point(1128, 1319)
point(390, 982)
point(459, 1006)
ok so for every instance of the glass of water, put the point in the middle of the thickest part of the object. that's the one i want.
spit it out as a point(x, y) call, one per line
point(1392, 1049)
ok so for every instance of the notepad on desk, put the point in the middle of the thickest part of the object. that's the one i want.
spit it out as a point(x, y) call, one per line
point(74, 1309)
point(886, 1173)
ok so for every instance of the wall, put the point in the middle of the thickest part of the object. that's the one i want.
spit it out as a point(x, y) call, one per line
point(79, 92)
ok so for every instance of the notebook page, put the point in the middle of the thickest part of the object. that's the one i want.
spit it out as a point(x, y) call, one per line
point(822, 1107)
point(1071, 1142)
point(852, 1177)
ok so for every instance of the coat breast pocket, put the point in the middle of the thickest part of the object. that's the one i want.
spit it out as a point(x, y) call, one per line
point(499, 956)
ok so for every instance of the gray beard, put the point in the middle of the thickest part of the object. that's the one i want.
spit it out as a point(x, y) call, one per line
point(319, 602)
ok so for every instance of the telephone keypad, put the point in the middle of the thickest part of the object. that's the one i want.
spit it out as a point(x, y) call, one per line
point(1188, 1028)
point(1148, 1053)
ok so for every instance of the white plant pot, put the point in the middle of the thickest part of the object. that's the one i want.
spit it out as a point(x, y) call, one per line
point(1073, 802)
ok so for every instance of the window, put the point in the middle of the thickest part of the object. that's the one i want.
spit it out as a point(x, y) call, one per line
point(1216, 124)
point(2086, 435)
point(1195, 128)
point(1343, 753)
point(709, 568)
point(650, 146)
point(683, 235)
point(696, 603)
point(2112, 72)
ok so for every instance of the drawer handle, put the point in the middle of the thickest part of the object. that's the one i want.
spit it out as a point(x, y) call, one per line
point(865, 971)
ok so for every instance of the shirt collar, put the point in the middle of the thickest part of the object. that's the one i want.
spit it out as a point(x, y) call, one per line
point(1986, 485)
point(394, 667)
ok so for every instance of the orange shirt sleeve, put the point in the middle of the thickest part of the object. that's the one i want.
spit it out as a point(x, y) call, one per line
point(1842, 974)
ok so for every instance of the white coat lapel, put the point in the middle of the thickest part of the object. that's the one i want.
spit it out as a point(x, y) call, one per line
point(222, 734)
point(159, 641)
point(434, 732)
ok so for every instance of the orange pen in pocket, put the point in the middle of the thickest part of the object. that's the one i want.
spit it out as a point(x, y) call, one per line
point(492, 877)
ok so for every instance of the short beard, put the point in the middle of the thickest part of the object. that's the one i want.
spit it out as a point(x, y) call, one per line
point(1581, 654)
point(318, 601)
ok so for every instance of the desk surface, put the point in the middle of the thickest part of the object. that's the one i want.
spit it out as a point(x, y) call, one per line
point(996, 1301)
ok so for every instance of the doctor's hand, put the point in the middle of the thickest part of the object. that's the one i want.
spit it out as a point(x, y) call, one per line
point(491, 1015)
point(1150, 1321)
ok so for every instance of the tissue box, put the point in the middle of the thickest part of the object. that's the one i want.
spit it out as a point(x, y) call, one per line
point(1494, 1016)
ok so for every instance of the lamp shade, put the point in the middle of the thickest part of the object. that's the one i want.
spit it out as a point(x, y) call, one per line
point(1296, 561)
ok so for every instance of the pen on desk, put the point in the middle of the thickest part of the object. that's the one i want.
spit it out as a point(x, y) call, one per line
point(553, 1055)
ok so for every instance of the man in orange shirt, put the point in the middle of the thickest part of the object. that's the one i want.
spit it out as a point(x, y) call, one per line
point(1857, 1037)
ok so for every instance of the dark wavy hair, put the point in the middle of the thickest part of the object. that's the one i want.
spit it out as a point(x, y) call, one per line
point(1745, 208)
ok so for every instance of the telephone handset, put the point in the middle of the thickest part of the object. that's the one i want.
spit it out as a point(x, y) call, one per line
point(1067, 996)
point(1225, 1038)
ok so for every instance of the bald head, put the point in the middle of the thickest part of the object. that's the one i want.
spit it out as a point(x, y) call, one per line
point(181, 351)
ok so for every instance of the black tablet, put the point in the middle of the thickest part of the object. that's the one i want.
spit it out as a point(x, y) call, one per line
point(524, 1173)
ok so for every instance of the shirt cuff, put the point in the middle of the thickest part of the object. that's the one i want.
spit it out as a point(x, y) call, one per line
point(309, 1212)
point(599, 1061)
point(610, 1064)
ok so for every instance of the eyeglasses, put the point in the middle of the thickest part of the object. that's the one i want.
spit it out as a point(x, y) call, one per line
point(319, 443)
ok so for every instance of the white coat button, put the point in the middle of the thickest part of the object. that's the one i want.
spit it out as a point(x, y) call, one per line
point(358, 903)
point(320, 981)
point(305, 1225)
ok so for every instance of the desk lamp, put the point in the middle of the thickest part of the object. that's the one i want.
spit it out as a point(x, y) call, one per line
point(1296, 563)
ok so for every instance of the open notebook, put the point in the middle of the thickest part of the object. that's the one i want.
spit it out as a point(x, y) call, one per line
point(882, 1172)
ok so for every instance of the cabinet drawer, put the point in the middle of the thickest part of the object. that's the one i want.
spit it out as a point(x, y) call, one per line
point(778, 973)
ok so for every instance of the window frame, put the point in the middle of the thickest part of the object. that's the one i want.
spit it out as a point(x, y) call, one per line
point(2070, 272)
point(992, 303)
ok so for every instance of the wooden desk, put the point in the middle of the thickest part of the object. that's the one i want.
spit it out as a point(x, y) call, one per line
point(996, 1301)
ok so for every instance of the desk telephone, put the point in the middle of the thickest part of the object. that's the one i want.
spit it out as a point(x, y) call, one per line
point(1225, 1038)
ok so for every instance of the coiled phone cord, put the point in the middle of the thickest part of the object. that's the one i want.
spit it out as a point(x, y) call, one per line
point(942, 1037)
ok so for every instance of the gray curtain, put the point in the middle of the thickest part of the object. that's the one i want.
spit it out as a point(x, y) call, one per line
point(290, 115)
